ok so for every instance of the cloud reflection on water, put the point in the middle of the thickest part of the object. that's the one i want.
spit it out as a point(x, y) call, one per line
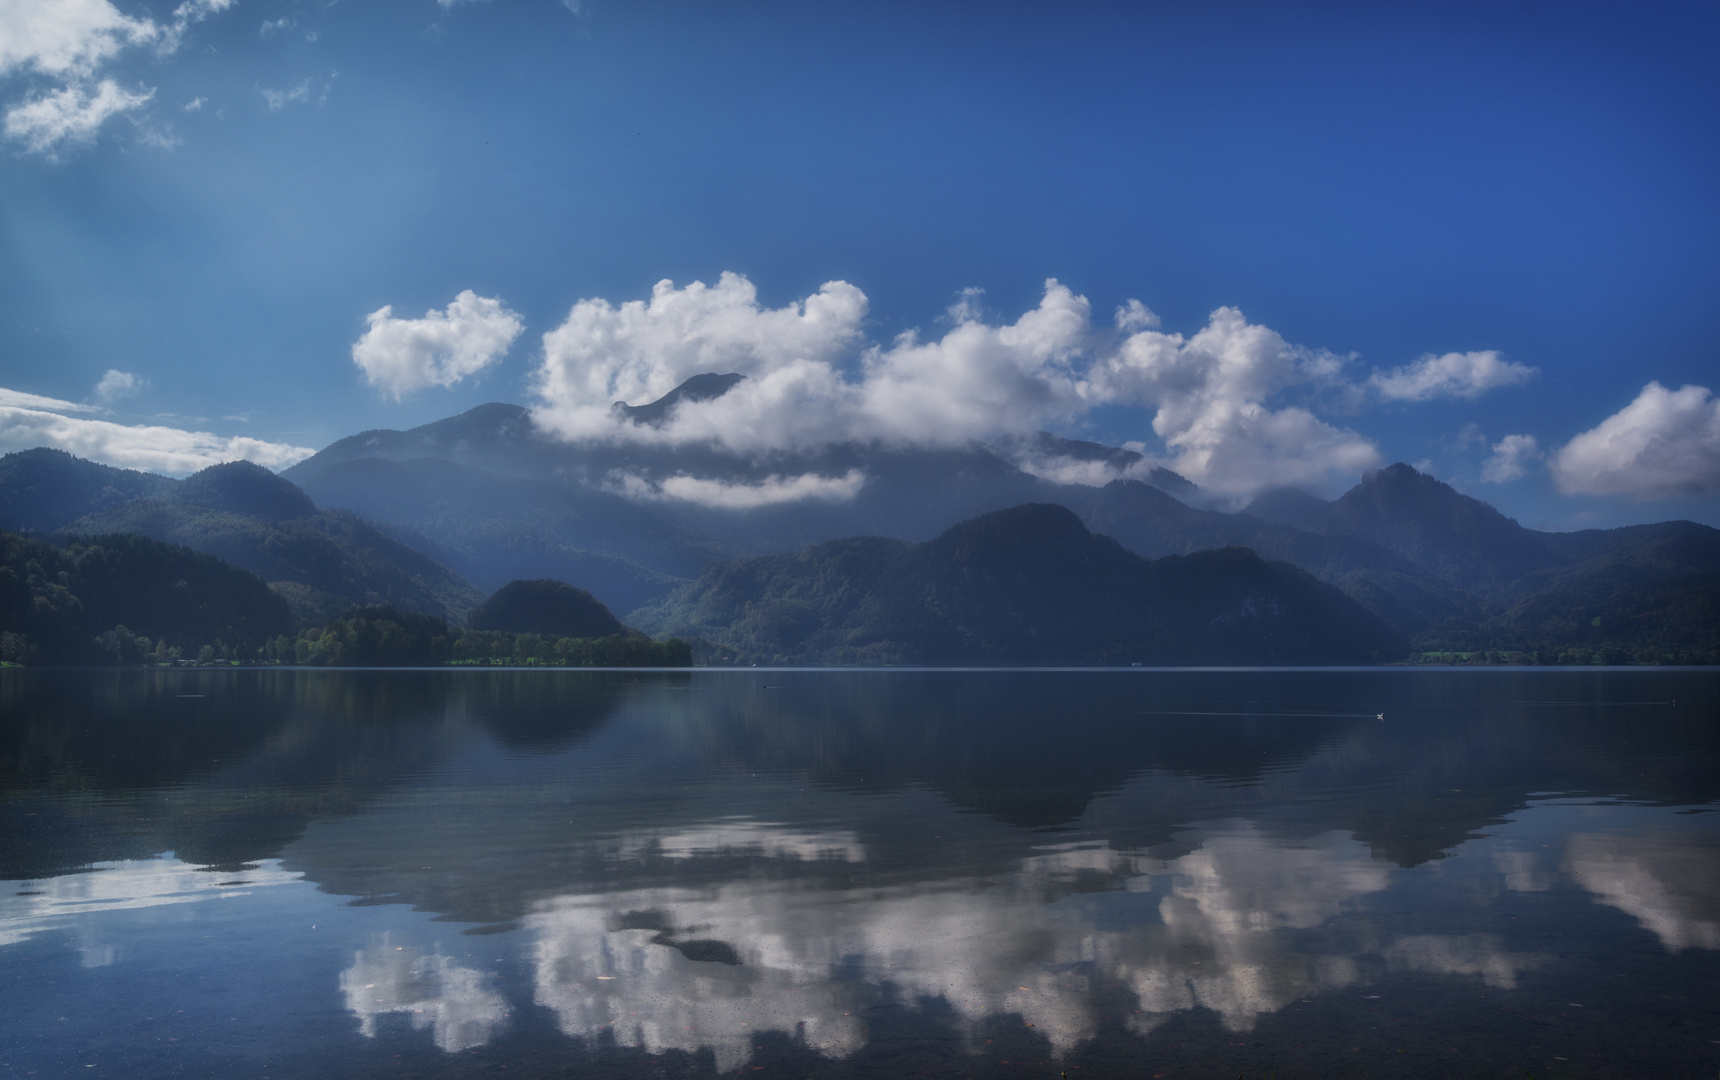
point(1670, 883)
point(65, 902)
point(1208, 929)
point(739, 836)
point(458, 1004)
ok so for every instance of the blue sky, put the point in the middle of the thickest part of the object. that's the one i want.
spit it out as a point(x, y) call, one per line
point(1519, 198)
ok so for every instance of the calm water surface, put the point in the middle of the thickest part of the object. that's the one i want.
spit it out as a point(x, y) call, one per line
point(870, 874)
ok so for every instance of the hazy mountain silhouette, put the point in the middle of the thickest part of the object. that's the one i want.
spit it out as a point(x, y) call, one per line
point(1627, 588)
point(493, 528)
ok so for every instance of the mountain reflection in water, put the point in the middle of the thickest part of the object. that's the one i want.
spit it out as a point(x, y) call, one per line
point(877, 872)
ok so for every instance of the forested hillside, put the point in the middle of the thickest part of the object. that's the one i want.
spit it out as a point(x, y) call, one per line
point(126, 598)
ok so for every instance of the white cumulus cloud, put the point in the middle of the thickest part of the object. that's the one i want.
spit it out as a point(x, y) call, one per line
point(70, 115)
point(70, 41)
point(1511, 459)
point(1211, 394)
point(1459, 375)
point(66, 37)
point(641, 350)
point(401, 356)
point(812, 379)
point(1665, 443)
point(157, 449)
point(116, 384)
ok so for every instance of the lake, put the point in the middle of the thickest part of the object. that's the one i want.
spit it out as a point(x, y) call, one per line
point(809, 874)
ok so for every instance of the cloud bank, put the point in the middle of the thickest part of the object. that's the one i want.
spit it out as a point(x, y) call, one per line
point(174, 451)
point(813, 380)
point(1666, 443)
point(727, 495)
point(22, 400)
point(402, 356)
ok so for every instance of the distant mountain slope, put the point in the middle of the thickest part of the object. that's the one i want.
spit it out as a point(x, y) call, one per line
point(493, 529)
point(1649, 586)
point(43, 490)
point(1029, 585)
point(334, 558)
point(56, 602)
point(497, 434)
point(322, 561)
point(1151, 523)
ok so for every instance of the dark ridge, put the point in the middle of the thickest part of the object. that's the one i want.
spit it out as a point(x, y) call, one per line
point(706, 387)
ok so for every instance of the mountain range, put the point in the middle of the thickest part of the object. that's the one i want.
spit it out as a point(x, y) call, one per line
point(432, 518)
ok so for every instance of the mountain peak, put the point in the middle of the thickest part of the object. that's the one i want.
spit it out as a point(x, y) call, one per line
point(706, 387)
point(1434, 525)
